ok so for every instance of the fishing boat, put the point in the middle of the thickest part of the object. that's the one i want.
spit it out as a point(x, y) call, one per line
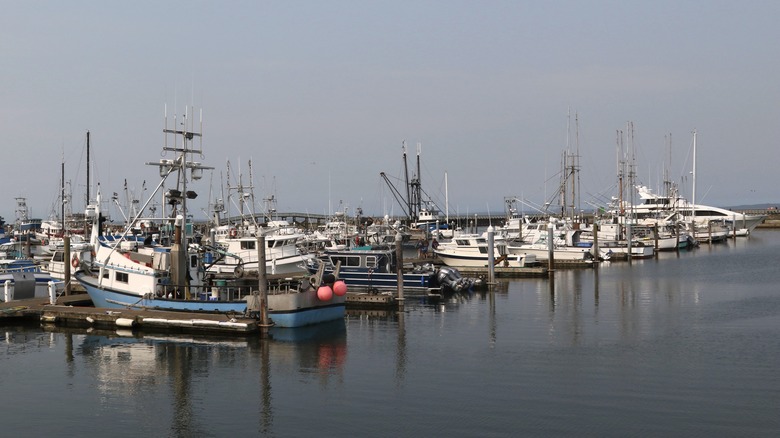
point(423, 216)
point(80, 254)
point(375, 269)
point(130, 273)
point(234, 249)
point(471, 250)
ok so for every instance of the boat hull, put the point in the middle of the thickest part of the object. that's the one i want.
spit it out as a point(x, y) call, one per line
point(293, 309)
point(570, 254)
point(304, 308)
point(637, 252)
point(382, 280)
point(481, 261)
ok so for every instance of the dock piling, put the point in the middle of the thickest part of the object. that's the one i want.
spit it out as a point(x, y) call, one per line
point(399, 256)
point(491, 255)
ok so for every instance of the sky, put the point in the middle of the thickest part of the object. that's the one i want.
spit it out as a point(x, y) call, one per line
point(320, 96)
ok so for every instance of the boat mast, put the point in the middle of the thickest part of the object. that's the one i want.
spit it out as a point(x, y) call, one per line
point(62, 200)
point(575, 191)
point(88, 164)
point(180, 165)
point(631, 178)
point(416, 187)
point(619, 152)
point(408, 185)
point(446, 200)
point(693, 173)
point(564, 181)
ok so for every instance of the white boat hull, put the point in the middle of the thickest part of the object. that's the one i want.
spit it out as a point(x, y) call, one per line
point(479, 261)
point(559, 253)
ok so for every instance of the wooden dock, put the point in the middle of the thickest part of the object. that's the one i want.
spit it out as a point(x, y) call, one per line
point(504, 272)
point(368, 300)
point(73, 311)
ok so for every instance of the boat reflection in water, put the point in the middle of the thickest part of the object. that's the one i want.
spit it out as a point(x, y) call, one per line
point(195, 382)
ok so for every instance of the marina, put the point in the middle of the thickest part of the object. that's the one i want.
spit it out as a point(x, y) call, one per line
point(381, 219)
point(678, 345)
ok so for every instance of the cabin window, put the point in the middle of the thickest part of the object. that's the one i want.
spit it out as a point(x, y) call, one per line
point(483, 250)
point(193, 261)
point(121, 277)
point(371, 261)
point(346, 260)
point(247, 244)
point(462, 242)
point(58, 256)
point(335, 260)
point(105, 275)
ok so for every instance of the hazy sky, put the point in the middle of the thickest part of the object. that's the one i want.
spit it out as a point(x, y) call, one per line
point(321, 94)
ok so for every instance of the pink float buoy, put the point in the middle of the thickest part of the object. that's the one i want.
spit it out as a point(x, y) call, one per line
point(324, 293)
point(340, 288)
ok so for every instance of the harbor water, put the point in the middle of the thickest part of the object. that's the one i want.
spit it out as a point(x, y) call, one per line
point(683, 345)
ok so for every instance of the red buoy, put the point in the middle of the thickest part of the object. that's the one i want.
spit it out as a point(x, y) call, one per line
point(324, 293)
point(340, 288)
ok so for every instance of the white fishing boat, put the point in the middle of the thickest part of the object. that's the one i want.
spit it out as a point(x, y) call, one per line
point(127, 273)
point(471, 250)
point(235, 249)
point(80, 255)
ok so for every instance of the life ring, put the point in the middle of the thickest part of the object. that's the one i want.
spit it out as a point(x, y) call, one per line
point(233, 232)
point(74, 261)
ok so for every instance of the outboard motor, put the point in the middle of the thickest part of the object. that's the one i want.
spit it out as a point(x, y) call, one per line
point(450, 279)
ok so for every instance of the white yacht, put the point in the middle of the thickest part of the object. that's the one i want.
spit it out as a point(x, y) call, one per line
point(653, 205)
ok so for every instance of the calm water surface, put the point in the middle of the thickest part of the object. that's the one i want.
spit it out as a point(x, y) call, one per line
point(684, 345)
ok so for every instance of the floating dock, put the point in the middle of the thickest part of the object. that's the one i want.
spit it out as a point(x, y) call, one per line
point(73, 311)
